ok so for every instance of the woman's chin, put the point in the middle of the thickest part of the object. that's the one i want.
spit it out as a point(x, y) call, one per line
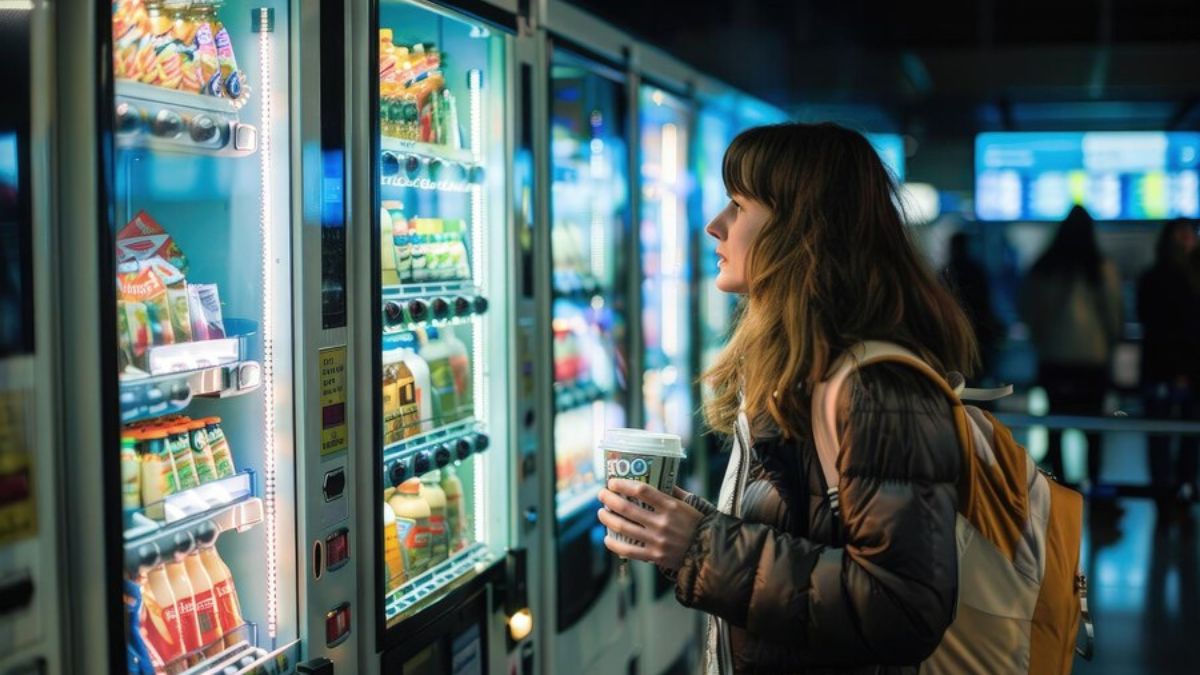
point(727, 285)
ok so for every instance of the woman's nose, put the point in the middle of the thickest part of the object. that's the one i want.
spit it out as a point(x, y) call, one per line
point(716, 227)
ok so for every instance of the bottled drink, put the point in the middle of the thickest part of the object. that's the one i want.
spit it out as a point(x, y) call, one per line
point(131, 472)
point(159, 621)
point(393, 555)
point(457, 523)
point(185, 601)
point(460, 367)
point(412, 526)
point(221, 452)
point(180, 443)
point(206, 466)
point(441, 374)
point(158, 473)
point(229, 609)
point(205, 599)
point(431, 492)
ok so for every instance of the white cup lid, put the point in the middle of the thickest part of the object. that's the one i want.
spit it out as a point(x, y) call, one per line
point(640, 440)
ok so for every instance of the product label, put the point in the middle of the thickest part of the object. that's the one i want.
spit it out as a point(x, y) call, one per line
point(410, 412)
point(206, 468)
point(416, 541)
point(655, 470)
point(206, 617)
point(445, 398)
point(439, 544)
point(189, 626)
point(160, 629)
point(185, 467)
point(228, 611)
point(131, 479)
point(220, 451)
point(174, 630)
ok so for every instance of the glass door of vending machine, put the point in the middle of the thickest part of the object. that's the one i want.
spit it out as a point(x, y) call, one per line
point(441, 361)
point(30, 527)
point(590, 272)
point(666, 191)
point(186, 409)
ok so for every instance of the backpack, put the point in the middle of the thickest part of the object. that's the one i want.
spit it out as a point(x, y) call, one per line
point(1021, 595)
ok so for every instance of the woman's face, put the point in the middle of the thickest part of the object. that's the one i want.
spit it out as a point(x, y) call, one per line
point(735, 228)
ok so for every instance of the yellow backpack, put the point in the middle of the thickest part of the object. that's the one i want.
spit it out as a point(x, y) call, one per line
point(1021, 595)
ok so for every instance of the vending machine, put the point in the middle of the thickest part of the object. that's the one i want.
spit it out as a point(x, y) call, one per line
point(206, 532)
point(439, 339)
point(30, 463)
point(587, 276)
point(666, 195)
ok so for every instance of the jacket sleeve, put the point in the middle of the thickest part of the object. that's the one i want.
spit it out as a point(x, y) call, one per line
point(887, 595)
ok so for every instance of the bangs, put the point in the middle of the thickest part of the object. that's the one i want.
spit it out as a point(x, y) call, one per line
point(742, 158)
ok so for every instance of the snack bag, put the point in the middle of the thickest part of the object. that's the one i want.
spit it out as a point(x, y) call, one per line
point(143, 296)
point(130, 24)
point(231, 77)
point(177, 296)
point(164, 65)
point(210, 309)
point(206, 58)
point(143, 238)
point(183, 32)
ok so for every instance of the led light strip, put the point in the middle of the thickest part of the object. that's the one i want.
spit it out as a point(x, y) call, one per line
point(265, 218)
point(475, 92)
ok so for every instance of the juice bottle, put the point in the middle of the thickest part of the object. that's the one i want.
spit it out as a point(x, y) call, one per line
point(439, 543)
point(206, 466)
point(391, 397)
point(183, 30)
point(229, 609)
point(131, 473)
point(158, 473)
point(180, 443)
point(441, 374)
point(392, 554)
point(387, 258)
point(457, 522)
point(231, 77)
point(185, 601)
point(400, 242)
point(408, 345)
point(203, 16)
point(458, 264)
point(167, 626)
point(206, 601)
point(412, 526)
point(460, 367)
point(221, 452)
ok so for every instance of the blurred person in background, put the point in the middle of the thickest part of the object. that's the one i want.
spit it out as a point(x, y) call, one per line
point(1071, 302)
point(968, 280)
point(1169, 311)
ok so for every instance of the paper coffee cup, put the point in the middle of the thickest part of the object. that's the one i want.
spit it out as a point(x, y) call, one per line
point(645, 456)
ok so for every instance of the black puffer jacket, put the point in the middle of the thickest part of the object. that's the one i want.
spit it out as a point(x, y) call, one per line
point(871, 593)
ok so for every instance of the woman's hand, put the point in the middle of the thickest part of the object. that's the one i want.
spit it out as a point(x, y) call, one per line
point(666, 530)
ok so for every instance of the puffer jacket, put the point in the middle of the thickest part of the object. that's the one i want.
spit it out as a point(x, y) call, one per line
point(870, 592)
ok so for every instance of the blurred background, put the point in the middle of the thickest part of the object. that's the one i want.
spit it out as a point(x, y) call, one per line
point(1049, 154)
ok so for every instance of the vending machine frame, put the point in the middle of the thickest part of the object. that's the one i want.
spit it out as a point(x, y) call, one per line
point(31, 565)
point(492, 597)
point(85, 96)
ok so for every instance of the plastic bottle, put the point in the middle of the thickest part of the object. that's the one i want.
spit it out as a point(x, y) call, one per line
point(221, 452)
point(229, 609)
point(391, 397)
point(185, 601)
point(460, 366)
point(158, 473)
point(206, 466)
point(388, 73)
point(131, 473)
point(205, 599)
point(412, 526)
point(392, 553)
point(457, 522)
point(387, 258)
point(437, 354)
point(180, 442)
point(439, 541)
point(408, 344)
point(159, 618)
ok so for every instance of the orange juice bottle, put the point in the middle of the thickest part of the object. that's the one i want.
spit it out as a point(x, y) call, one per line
point(392, 554)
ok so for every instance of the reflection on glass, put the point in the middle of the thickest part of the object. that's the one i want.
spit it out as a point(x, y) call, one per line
point(589, 202)
point(666, 185)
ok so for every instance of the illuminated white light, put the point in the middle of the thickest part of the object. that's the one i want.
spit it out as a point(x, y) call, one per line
point(920, 203)
point(599, 424)
point(670, 317)
point(669, 222)
point(657, 97)
point(670, 154)
point(265, 218)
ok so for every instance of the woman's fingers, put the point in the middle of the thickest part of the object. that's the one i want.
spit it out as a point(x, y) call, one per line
point(617, 504)
point(626, 550)
point(642, 492)
point(622, 526)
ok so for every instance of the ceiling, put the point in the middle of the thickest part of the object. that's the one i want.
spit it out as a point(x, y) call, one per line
point(943, 68)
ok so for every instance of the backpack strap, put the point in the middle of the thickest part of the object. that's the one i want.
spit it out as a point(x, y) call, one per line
point(826, 394)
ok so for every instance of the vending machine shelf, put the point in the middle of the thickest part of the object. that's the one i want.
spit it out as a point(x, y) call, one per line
point(148, 397)
point(421, 591)
point(157, 118)
point(245, 657)
point(572, 395)
point(429, 151)
point(433, 450)
point(239, 514)
point(431, 304)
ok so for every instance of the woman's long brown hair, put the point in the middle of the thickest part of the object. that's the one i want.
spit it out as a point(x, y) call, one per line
point(831, 267)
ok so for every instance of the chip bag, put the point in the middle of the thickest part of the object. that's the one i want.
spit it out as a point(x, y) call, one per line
point(143, 238)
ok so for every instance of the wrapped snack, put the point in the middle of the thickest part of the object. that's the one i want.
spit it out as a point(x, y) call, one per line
point(143, 238)
point(210, 306)
point(203, 17)
point(177, 296)
point(130, 24)
point(164, 62)
point(143, 297)
point(196, 311)
point(231, 77)
point(183, 32)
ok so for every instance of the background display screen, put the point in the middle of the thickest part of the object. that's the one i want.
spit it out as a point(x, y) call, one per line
point(1115, 175)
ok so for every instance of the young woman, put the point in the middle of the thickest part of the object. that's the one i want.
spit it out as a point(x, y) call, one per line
point(813, 241)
